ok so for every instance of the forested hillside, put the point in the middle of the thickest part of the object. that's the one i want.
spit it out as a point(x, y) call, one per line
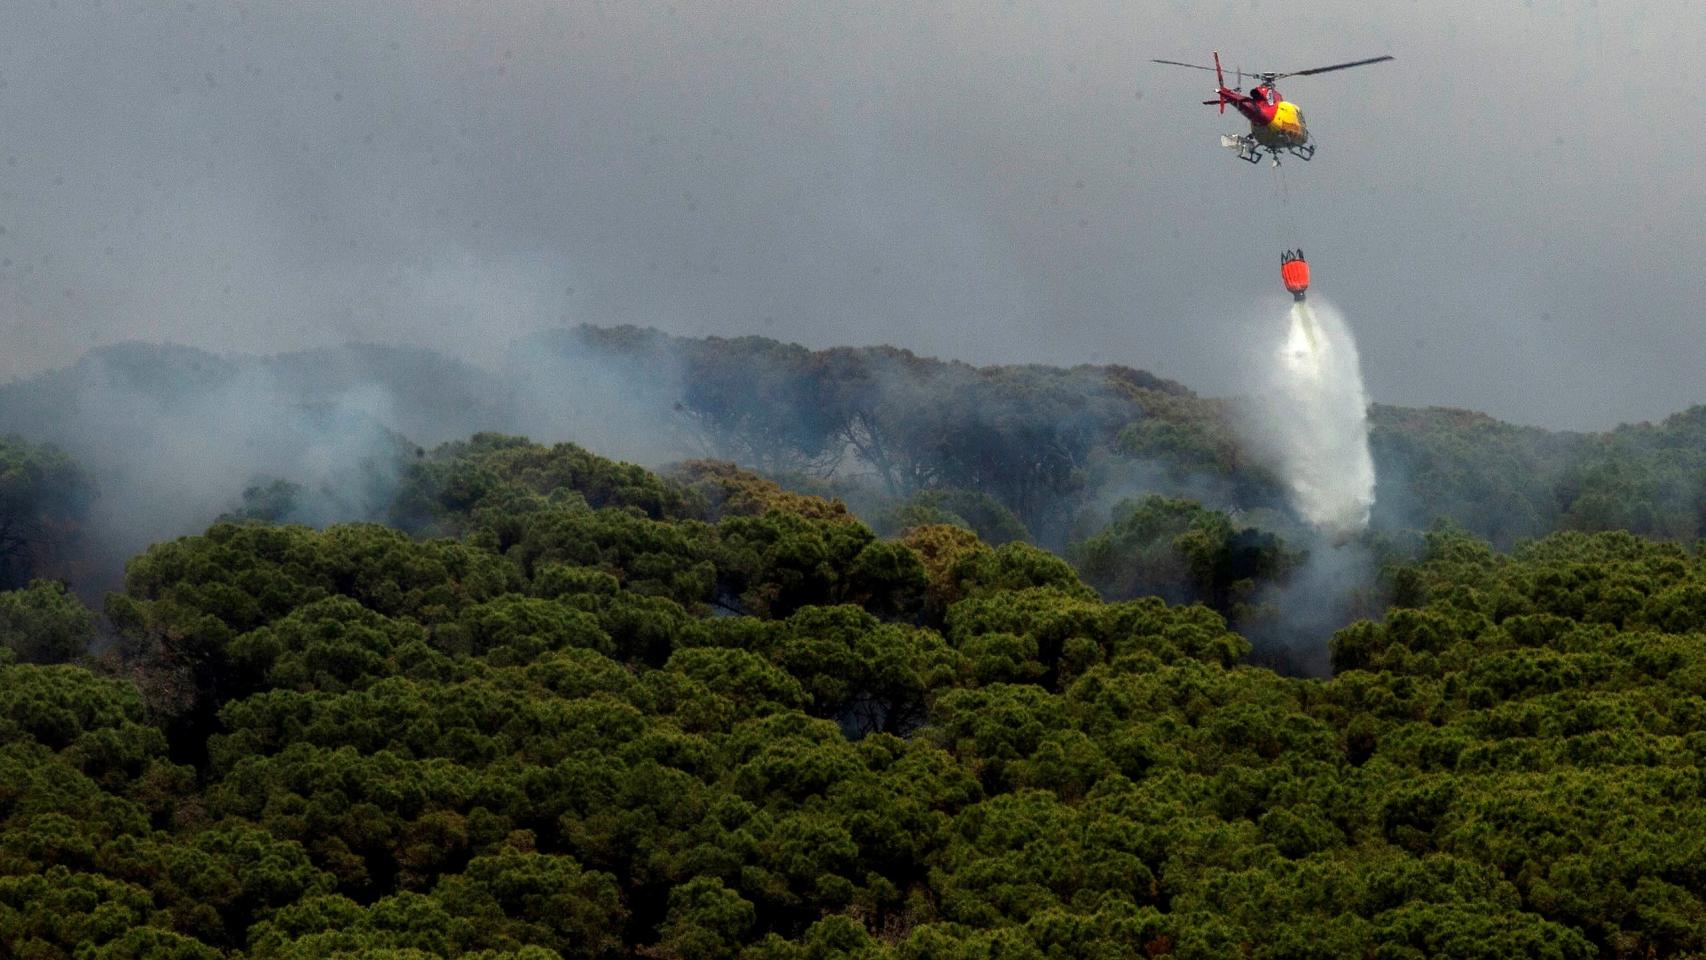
point(603, 713)
point(1145, 487)
point(1040, 454)
point(838, 701)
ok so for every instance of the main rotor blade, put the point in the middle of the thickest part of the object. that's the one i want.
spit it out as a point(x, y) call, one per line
point(1336, 66)
point(1176, 63)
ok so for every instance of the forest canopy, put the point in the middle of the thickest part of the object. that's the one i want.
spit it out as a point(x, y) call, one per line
point(565, 707)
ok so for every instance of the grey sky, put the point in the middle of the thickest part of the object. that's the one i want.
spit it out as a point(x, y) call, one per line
point(1509, 216)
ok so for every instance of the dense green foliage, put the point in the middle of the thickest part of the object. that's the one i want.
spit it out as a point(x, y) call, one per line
point(551, 705)
point(1504, 482)
point(44, 623)
point(1181, 551)
point(43, 498)
point(623, 716)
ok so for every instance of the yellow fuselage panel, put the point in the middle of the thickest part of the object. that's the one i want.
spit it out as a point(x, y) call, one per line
point(1285, 129)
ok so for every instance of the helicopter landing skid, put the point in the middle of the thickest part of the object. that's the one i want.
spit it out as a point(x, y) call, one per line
point(1247, 148)
point(1250, 151)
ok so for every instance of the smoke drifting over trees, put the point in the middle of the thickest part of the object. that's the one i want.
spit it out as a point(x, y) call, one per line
point(163, 440)
point(173, 435)
point(314, 649)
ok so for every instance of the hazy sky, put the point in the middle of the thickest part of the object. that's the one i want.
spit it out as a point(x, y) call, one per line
point(1509, 216)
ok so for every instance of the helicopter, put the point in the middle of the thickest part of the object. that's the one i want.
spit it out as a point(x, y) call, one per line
point(1275, 123)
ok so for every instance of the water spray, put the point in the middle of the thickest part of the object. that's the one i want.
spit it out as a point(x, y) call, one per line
point(1318, 417)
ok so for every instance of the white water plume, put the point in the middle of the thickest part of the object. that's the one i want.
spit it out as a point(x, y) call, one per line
point(1315, 415)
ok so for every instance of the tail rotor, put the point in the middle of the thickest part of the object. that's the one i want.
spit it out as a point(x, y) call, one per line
point(1220, 81)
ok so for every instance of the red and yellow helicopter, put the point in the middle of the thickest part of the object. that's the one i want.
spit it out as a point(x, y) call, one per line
point(1275, 123)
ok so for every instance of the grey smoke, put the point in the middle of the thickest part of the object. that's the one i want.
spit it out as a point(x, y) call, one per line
point(1293, 622)
point(170, 437)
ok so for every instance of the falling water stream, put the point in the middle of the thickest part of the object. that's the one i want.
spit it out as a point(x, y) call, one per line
point(1319, 418)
